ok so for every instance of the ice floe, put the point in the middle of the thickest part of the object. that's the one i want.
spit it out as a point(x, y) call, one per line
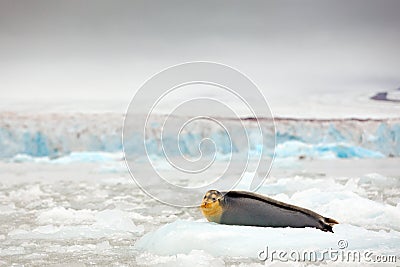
point(245, 241)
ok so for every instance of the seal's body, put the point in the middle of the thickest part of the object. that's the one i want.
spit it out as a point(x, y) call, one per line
point(246, 208)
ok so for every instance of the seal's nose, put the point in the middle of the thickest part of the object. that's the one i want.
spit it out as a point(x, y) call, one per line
point(204, 204)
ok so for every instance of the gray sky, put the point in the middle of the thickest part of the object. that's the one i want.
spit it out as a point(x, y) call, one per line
point(103, 50)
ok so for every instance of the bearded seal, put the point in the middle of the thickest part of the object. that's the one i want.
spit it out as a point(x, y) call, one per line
point(251, 209)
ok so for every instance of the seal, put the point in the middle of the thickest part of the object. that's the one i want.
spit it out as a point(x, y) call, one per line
point(246, 208)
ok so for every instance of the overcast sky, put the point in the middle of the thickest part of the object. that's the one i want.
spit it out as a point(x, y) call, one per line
point(101, 50)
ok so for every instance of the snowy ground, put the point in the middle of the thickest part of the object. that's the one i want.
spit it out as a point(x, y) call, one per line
point(75, 213)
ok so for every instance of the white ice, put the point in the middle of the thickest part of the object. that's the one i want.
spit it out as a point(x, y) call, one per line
point(61, 223)
point(245, 241)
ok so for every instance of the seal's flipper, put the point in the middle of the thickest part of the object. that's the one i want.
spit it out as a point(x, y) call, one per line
point(327, 223)
point(330, 221)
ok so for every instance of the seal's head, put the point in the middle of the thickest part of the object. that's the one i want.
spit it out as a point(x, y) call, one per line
point(211, 205)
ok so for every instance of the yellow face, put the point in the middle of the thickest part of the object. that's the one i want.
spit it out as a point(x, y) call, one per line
point(210, 206)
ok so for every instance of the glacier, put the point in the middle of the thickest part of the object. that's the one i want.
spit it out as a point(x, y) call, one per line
point(57, 135)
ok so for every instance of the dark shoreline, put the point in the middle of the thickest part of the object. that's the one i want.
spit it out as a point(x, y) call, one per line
point(383, 96)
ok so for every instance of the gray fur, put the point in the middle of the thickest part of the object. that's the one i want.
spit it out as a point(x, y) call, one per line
point(246, 208)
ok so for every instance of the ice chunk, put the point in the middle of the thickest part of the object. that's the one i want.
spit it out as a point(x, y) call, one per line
point(348, 203)
point(349, 207)
point(193, 258)
point(106, 223)
point(380, 181)
point(298, 183)
point(116, 220)
point(61, 215)
point(85, 156)
point(113, 167)
point(7, 209)
point(245, 241)
point(27, 194)
point(12, 251)
point(20, 158)
point(88, 157)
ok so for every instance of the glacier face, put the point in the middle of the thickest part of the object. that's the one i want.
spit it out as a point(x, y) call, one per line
point(55, 135)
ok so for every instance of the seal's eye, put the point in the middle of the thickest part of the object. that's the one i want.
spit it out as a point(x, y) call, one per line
point(214, 199)
point(204, 197)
